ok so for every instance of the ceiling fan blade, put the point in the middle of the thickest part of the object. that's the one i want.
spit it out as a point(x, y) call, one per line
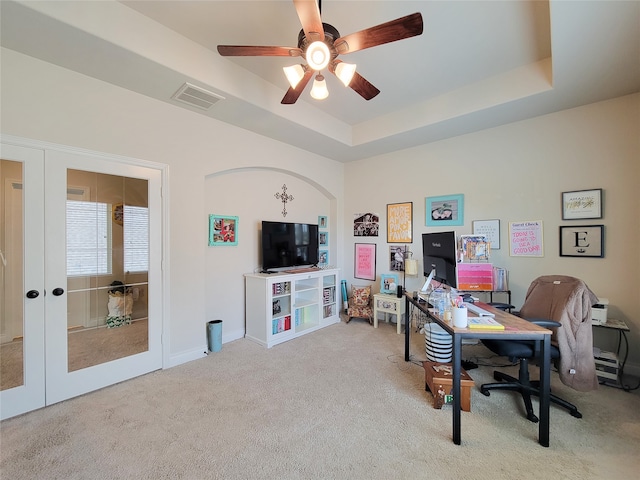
point(362, 87)
point(293, 93)
point(398, 29)
point(358, 83)
point(257, 51)
point(309, 15)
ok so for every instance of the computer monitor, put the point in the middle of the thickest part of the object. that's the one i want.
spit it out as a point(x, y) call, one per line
point(440, 256)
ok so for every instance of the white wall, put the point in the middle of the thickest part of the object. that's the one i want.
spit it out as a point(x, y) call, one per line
point(44, 102)
point(249, 193)
point(513, 173)
point(517, 172)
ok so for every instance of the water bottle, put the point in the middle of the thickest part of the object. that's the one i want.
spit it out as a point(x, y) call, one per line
point(447, 314)
point(438, 301)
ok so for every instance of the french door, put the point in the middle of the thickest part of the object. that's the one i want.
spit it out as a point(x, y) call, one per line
point(81, 256)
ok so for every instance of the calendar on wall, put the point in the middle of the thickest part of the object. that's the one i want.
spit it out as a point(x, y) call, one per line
point(490, 229)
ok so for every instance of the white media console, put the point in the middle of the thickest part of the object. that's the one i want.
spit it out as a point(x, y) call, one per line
point(283, 306)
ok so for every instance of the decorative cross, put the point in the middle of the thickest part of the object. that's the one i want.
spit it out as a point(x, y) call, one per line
point(285, 198)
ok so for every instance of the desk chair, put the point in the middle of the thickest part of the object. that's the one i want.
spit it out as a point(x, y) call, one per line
point(524, 351)
point(562, 304)
point(507, 307)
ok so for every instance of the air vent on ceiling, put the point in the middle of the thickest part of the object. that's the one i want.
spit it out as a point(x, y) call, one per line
point(196, 96)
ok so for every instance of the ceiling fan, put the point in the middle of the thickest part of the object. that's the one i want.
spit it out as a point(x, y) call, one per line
point(319, 44)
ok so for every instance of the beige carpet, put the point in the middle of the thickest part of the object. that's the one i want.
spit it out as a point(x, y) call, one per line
point(339, 403)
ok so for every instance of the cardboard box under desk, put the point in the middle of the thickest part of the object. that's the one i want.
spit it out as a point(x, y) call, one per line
point(438, 379)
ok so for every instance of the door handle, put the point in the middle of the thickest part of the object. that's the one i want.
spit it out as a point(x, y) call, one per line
point(58, 291)
point(33, 294)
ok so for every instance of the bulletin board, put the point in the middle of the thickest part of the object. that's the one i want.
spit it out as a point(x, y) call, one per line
point(525, 239)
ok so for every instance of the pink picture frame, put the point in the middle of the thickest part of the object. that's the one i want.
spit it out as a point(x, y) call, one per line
point(364, 261)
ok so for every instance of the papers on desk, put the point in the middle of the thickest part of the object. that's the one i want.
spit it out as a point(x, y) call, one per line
point(484, 323)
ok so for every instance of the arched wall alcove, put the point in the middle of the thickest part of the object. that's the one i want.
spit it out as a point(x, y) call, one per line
point(249, 193)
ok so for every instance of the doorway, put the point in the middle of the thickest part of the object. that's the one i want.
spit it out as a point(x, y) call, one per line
point(81, 283)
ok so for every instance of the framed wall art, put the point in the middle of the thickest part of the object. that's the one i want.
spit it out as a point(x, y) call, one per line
point(582, 241)
point(490, 229)
point(364, 261)
point(323, 256)
point(397, 255)
point(445, 210)
point(582, 204)
point(323, 239)
point(526, 239)
point(323, 222)
point(400, 222)
point(366, 224)
point(223, 230)
point(388, 283)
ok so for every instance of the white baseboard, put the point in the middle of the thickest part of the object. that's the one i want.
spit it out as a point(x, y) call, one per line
point(632, 369)
point(230, 337)
point(200, 352)
point(189, 356)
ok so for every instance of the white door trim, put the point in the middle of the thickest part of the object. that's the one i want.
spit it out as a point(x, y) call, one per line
point(49, 148)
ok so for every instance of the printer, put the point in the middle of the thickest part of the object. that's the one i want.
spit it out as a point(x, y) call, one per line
point(599, 311)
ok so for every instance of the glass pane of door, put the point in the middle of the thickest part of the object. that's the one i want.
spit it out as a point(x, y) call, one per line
point(107, 238)
point(11, 276)
point(22, 299)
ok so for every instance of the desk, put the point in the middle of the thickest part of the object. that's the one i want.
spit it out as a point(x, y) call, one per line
point(516, 328)
point(389, 305)
point(621, 327)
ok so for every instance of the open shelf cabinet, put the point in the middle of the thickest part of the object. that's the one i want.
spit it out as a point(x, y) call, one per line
point(280, 307)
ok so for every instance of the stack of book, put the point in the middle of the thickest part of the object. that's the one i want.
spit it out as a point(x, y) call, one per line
point(484, 323)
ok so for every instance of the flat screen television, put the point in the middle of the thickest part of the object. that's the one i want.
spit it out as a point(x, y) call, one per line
point(289, 245)
point(439, 251)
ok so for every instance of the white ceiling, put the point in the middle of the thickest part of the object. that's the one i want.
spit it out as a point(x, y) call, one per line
point(477, 65)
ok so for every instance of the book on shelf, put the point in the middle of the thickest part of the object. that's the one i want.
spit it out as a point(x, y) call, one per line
point(280, 325)
point(485, 323)
point(281, 288)
point(275, 307)
point(329, 295)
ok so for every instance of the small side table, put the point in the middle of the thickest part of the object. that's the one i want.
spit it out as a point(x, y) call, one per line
point(621, 327)
point(388, 304)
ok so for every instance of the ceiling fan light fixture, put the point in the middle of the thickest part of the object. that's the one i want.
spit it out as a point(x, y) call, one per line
point(345, 72)
point(294, 74)
point(318, 55)
point(319, 90)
